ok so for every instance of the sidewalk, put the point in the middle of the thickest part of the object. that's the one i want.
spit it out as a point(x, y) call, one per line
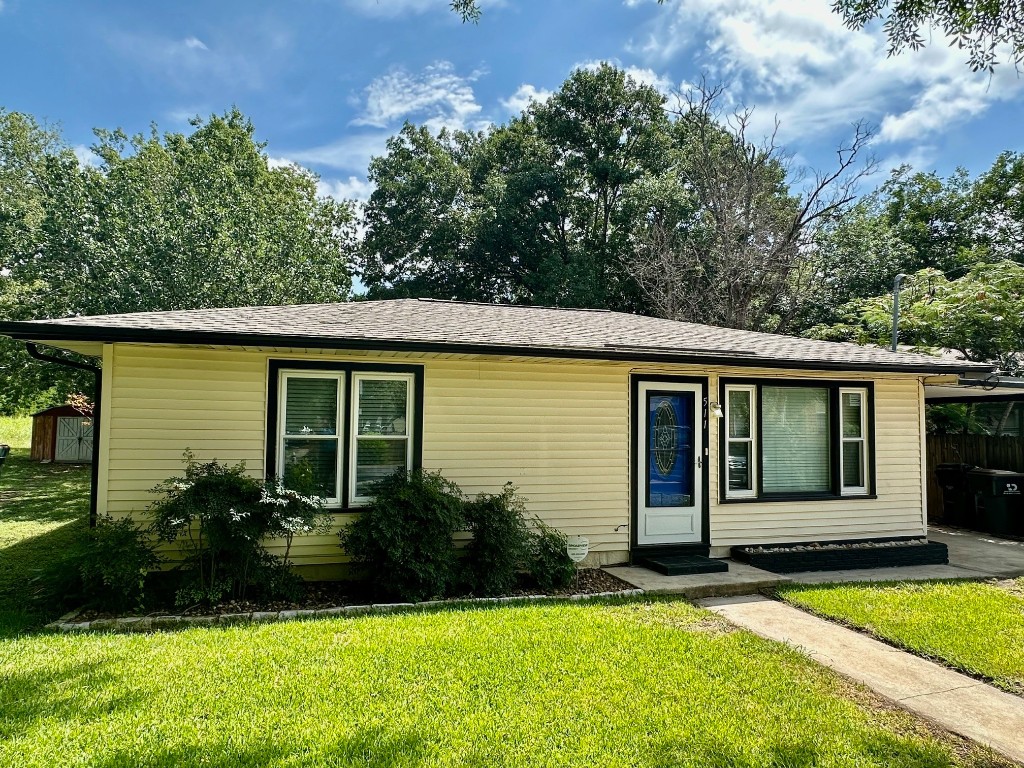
point(953, 701)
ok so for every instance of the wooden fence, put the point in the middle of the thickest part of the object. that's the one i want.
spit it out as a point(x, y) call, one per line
point(980, 450)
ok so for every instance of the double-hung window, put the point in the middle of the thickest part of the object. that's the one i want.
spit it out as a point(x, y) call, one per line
point(338, 431)
point(740, 421)
point(795, 439)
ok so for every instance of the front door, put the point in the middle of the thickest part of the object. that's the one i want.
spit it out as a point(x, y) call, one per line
point(670, 463)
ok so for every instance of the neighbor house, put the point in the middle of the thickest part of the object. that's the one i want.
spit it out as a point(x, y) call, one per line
point(643, 435)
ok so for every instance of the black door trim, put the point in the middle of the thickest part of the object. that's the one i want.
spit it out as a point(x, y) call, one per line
point(635, 380)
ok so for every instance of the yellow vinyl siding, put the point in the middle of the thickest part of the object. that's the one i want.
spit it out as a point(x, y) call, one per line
point(897, 510)
point(558, 430)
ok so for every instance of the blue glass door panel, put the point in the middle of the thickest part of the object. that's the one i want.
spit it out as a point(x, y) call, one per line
point(670, 449)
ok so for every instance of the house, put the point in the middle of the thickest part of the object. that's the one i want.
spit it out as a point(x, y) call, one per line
point(642, 434)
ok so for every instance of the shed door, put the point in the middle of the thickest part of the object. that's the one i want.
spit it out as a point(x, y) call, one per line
point(74, 439)
point(669, 431)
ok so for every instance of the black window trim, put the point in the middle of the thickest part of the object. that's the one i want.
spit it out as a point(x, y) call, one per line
point(276, 365)
point(835, 437)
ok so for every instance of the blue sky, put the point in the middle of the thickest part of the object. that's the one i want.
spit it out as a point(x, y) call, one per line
point(327, 81)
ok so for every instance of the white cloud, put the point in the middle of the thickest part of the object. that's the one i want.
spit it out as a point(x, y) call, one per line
point(799, 61)
point(438, 97)
point(350, 153)
point(184, 62)
point(390, 9)
point(525, 95)
point(86, 157)
point(393, 9)
point(352, 188)
point(642, 75)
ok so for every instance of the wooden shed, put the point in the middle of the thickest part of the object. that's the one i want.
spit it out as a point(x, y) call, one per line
point(62, 434)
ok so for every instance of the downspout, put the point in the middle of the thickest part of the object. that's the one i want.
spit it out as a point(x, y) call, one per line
point(97, 373)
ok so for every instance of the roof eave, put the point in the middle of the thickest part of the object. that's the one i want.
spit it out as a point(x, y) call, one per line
point(38, 331)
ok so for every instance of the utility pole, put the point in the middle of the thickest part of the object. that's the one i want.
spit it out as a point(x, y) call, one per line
point(896, 309)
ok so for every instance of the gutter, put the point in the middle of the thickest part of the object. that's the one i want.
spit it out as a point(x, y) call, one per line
point(97, 373)
point(39, 331)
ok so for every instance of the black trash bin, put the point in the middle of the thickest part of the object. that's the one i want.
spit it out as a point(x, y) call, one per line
point(999, 498)
point(957, 499)
point(4, 451)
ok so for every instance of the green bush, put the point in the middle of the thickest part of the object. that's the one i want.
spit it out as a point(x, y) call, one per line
point(404, 537)
point(221, 517)
point(114, 564)
point(501, 545)
point(550, 565)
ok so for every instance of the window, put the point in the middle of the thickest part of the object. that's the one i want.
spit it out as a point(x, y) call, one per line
point(790, 440)
point(380, 439)
point(338, 431)
point(795, 440)
point(854, 445)
point(740, 416)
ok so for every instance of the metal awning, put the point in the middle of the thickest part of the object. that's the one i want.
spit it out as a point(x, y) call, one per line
point(992, 388)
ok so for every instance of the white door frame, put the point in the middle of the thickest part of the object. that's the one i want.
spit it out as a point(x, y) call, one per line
point(668, 525)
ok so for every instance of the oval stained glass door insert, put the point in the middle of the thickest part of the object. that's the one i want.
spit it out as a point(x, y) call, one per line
point(666, 438)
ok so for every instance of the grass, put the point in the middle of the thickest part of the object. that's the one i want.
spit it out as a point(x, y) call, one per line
point(627, 684)
point(977, 627)
point(44, 509)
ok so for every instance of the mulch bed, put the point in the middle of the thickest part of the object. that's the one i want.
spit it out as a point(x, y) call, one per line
point(321, 595)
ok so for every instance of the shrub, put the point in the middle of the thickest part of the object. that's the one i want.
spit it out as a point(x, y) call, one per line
point(500, 548)
point(114, 564)
point(222, 516)
point(550, 565)
point(404, 537)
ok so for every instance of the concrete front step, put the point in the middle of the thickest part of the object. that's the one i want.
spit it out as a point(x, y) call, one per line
point(740, 579)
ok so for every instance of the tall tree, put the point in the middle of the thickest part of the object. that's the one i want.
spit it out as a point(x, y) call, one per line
point(731, 245)
point(535, 211)
point(980, 315)
point(173, 222)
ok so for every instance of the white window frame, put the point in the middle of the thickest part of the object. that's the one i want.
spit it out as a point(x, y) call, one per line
point(751, 390)
point(339, 437)
point(854, 490)
point(354, 437)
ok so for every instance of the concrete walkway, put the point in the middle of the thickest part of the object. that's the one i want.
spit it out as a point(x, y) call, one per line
point(953, 701)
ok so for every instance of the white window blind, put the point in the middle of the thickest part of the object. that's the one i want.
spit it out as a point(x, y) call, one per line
point(795, 440)
point(309, 448)
point(382, 443)
point(853, 415)
point(740, 421)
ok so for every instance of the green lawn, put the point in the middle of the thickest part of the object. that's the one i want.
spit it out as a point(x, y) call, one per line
point(44, 509)
point(974, 626)
point(629, 684)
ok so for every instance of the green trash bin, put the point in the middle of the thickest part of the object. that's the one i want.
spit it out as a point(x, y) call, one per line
point(999, 500)
point(957, 499)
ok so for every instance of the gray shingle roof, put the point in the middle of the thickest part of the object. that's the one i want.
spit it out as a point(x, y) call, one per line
point(460, 327)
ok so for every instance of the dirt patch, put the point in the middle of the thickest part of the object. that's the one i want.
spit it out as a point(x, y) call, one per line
point(1014, 586)
point(338, 594)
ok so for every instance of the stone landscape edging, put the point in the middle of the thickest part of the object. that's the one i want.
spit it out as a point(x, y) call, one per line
point(67, 623)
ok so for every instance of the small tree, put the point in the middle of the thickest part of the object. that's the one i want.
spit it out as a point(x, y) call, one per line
point(222, 517)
